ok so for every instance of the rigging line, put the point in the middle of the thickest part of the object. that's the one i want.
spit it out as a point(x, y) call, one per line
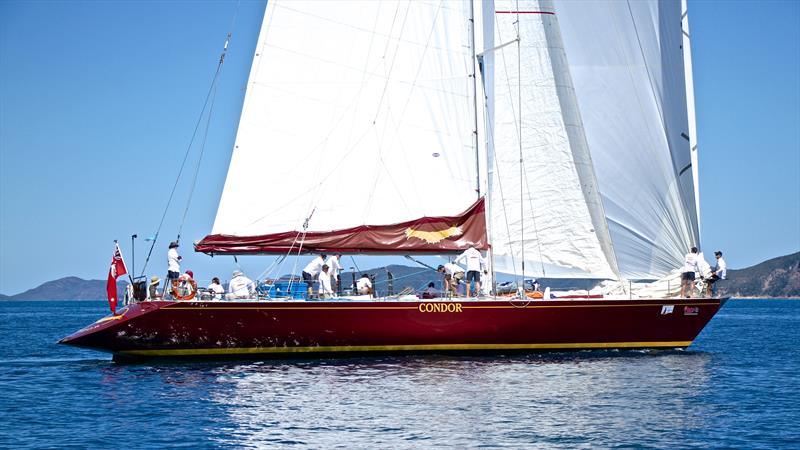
point(533, 219)
point(491, 136)
point(180, 170)
point(211, 89)
point(647, 69)
point(490, 127)
point(302, 240)
point(354, 263)
point(521, 159)
point(409, 257)
point(202, 146)
point(434, 23)
point(391, 66)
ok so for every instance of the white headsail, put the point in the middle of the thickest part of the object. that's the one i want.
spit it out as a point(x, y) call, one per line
point(545, 201)
point(627, 64)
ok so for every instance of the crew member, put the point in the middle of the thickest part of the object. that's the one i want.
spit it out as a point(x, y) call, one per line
point(453, 273)
point(475, 265)
point(689, 268)
point(720, 272)
point(325, 283)
point(364, 285)
point(312, 271)
point(240, 286)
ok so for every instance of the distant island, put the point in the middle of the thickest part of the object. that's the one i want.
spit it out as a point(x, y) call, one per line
point(774, 278)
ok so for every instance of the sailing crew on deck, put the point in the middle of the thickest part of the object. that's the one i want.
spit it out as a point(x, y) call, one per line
point(475, 265)
point(687, 276)
point(152, 291)
point(216, 289)
point(173, 262)
point(720, 272)
point(453, 274)
point(240, 286)
point(335, 268)
point(312, 271)
point(325, 290)
point(364, 285)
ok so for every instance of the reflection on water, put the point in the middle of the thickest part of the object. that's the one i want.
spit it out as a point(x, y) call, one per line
point(553, 398)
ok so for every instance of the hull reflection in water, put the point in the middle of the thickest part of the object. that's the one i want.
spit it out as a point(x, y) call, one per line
point(271, 329)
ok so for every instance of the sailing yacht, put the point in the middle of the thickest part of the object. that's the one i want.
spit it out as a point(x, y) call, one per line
point(557, 137)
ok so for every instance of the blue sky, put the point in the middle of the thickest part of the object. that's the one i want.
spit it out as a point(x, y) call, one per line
point(98, 101)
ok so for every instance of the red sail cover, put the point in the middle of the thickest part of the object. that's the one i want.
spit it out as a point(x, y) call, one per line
point(424, 235)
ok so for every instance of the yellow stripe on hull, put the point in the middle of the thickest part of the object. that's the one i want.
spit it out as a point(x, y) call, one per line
point(391, 348)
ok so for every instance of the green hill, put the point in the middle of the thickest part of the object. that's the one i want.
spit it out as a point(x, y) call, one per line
point(777, 277)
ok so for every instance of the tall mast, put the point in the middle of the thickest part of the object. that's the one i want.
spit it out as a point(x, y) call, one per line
point(474, 98)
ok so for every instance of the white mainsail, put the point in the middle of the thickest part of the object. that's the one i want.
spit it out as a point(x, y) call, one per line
point(356, 113)
point(627, 64)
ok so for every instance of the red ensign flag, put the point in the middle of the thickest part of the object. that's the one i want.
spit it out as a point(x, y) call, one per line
point(117, 269)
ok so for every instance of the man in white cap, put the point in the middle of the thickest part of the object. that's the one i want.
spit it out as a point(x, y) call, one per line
point(240, 286)
point(173, 262)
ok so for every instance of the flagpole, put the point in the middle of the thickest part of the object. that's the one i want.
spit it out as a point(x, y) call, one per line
point(133, 253)
point(123, 260)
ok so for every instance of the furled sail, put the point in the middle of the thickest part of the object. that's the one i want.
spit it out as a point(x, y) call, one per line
point(629, 70)
point(545, 206)
point(358, 122)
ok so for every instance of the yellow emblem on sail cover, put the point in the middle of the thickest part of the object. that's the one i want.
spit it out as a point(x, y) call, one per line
point(433, 237)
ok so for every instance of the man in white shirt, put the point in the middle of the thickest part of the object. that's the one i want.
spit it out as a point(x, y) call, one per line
point(453, 273)
point(335, 268)
point(311, 272)
point(240, 286)
point(687, 276)
point(216, 289)
point(475, 264)
point(364, 285)
point(173, 263)
point(720, 272)
point(325, 290)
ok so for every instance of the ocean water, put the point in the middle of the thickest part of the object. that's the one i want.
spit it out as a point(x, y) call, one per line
point(736, 387)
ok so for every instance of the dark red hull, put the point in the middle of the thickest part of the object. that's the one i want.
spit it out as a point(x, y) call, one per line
point(179, 329)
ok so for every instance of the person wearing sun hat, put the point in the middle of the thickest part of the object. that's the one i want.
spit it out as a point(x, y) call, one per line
point(240, 286)
point(153, 290)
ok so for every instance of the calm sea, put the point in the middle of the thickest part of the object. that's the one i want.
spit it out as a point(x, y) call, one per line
point(738, 386)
